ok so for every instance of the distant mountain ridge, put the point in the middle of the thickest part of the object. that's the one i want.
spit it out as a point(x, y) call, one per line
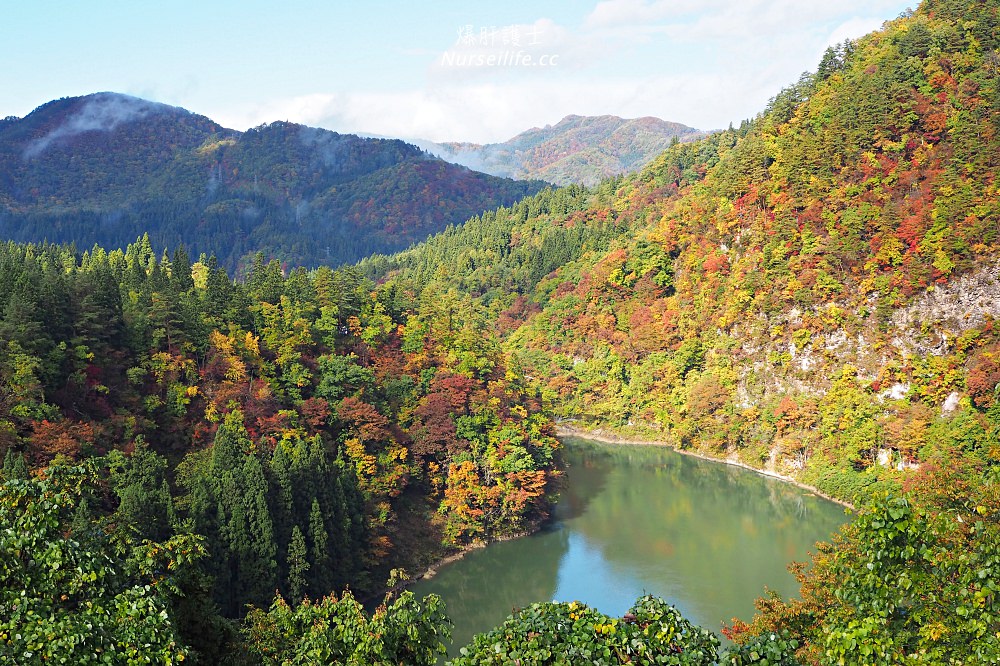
point(105, 168)
point(578, 149)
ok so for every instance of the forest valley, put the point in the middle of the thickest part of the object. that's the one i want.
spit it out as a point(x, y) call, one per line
point(814, 293)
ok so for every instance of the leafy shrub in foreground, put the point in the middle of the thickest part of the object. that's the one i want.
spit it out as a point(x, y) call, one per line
point(406, 630)
point(558, 633)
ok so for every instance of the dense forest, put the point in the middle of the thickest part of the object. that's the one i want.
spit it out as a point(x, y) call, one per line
point(813, 293)
point(106, 168)
point(311, 429)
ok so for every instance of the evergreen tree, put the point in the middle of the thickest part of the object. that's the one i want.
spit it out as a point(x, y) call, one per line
point(140, 482)
point(14, 466)
point(180, 274)
point(298, 566)
point(230, 445)
point(251, 536)
point(319, 553)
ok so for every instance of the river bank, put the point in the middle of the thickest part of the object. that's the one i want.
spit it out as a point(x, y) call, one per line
point(599, 435)
point(432, 570)
point(635, 520)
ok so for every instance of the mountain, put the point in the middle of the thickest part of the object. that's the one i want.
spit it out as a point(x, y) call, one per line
point(106, 168)
point(578, 149)
point(814, 294)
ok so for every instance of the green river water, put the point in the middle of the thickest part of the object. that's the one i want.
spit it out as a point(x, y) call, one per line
point(632, 520)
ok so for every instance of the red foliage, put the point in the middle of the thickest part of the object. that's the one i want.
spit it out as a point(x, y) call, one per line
point(982, 381)
point(315, 414)
point(716, 263)
point(363, 419)
point(433, 430)
point(51, 438)
point(456, 388)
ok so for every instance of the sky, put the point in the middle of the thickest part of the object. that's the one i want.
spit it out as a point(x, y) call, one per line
point(441, 71)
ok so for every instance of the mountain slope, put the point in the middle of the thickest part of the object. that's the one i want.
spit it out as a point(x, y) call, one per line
point(758, 265)
point(814, 293)
point(105, 168)
point(578, 149)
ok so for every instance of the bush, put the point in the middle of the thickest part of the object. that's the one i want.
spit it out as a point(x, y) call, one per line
point(558, 633)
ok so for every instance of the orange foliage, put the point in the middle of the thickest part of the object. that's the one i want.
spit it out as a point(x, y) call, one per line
point(51, 438)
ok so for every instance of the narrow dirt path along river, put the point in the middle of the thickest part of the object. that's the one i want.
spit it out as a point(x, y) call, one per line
point(631, 520)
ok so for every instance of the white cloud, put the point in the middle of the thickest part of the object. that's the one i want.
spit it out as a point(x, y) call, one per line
point(639, 12)
point(853, 28)
point(101, 113)
point(705, 63)
point(489, 112)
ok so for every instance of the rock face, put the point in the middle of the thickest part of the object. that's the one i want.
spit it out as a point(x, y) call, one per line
point(957, 306)
point(929, 327)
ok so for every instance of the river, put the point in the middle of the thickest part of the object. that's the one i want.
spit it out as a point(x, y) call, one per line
point(632, 520)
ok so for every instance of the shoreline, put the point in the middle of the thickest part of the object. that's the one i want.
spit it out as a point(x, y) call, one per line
point(612, 438)
point(432, 570)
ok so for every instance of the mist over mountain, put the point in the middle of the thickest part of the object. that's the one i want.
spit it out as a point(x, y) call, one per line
point(105, 168)
point(579, 150)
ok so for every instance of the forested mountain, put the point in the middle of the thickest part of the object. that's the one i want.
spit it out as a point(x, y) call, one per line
point(315, 431)
point(107, 168)
point(814, 293)
point(581, 150)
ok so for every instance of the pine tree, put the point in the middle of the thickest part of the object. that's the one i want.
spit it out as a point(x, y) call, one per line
point(298, 565)
point(180, 275)
point(140, 483)
point(231, 444)
point(320, 580)
point(14, 466)
point(251, 534)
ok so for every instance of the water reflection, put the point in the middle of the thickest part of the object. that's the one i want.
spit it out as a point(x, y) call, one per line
point(706, 537)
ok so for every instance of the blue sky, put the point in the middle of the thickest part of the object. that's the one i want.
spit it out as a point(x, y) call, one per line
point(480, 71)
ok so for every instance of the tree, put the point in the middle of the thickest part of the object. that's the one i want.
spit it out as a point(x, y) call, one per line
point(919, 588)
point(145, 503)
point(319, 551)
point(298, 565)
point(565, 634)
point(82, 598)
point(406, 630)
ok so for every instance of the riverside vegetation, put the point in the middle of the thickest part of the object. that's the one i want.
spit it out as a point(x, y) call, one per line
point(813, 292)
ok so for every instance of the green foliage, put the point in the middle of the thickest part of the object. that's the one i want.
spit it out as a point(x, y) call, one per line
point(652, 632)
point(908, 596)
point(68, 596)
point(768, 649)
point(309, 401)
point(739, 296)
point(298, 565)
point(405, 630)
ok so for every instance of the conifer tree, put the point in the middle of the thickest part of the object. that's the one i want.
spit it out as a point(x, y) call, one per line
point(319, 552)
point(139, 481)
point(14, 466)
point(252, 537)
point(298, 565)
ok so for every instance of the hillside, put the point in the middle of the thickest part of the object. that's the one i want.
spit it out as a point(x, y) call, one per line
point(107, 168)
point(580, 150)
point(305, 433)
point(813, 293)
point(842, 228)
